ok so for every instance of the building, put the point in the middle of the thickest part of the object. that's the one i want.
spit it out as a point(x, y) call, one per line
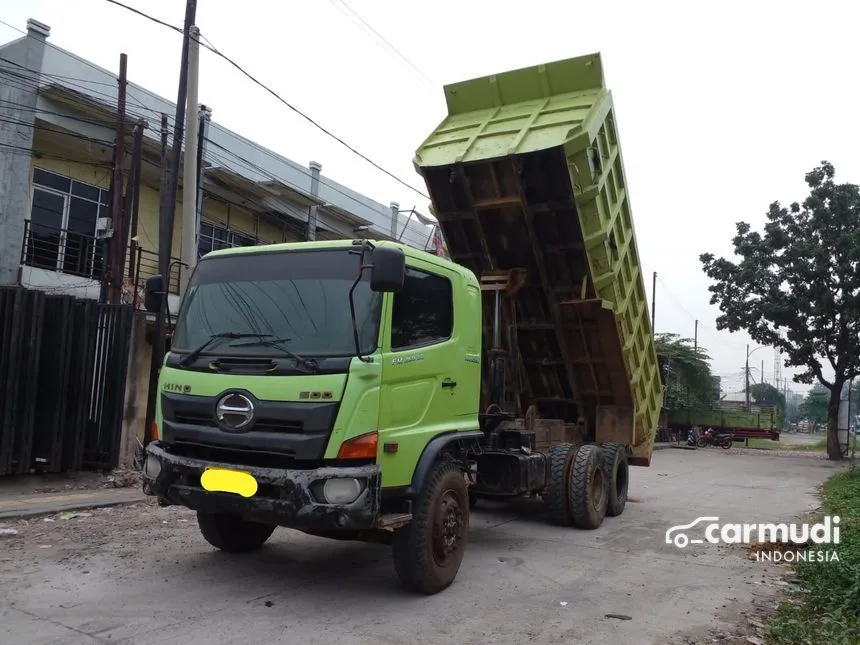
point(57, 132)
point(58, 123)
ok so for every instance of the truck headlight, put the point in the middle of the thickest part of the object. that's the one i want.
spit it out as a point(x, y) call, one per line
point(342, 491)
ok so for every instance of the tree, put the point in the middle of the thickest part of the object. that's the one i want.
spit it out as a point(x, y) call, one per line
point(688, 381)
point(814, 406)
point(768, 394)
point(797, 287)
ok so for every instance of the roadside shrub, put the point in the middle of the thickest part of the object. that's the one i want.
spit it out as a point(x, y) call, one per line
point(830, 611)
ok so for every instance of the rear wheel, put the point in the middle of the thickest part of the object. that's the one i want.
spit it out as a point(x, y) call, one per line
point(232, 533)
point(428, 552)
point(617, 473)
point(587, 490)
point(560, 456)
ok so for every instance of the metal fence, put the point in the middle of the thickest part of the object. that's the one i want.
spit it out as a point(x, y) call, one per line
point(78, 254)
point(63, 367)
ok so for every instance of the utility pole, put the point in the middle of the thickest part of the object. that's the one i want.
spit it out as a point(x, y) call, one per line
point(696, 337)
point(167, 211)
point(115, 245)
point(134, 186)
point(188, 252)
point(762, 372)
point(166, 240)
point(747, 379)
point(158, 339)
point(205, 115)
point(653, 303)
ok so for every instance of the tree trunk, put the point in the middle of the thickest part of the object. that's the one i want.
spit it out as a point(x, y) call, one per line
point(834, 450)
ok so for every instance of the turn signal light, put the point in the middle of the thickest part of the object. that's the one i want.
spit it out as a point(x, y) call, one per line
point(361, 447)
point(154, 432)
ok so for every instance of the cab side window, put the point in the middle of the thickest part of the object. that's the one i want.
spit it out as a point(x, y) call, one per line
point(423, 311)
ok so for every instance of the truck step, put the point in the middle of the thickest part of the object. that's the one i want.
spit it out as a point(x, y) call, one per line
point(392, 521)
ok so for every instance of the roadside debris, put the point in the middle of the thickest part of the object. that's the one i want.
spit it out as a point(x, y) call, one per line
point(73, 515)
point(8, 530)
point(619, 616)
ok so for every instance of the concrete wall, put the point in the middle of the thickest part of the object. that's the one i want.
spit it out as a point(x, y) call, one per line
point(136, 390)
point(18, 96)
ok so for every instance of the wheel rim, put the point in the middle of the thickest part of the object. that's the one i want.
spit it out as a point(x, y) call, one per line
point(598, 488)
point(448, 528)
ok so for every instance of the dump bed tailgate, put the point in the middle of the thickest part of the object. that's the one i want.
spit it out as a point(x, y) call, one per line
point(526, 173)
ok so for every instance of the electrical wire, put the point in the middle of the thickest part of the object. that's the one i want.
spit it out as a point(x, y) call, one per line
point(277, 96)
point(379, 37)
point(323, 180)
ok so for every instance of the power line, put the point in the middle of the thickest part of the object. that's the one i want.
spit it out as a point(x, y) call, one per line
point(391, 48)
point(29, 83)
point(210, 155)
point(262, 85)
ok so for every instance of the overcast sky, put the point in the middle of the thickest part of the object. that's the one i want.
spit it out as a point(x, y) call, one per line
point(721, 110)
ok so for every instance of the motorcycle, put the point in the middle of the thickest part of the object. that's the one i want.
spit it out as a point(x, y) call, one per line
point(712, 438)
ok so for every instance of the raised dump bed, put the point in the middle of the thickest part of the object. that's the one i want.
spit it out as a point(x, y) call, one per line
point(526, 173)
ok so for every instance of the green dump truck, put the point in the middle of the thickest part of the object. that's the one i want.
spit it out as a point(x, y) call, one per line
point(365, 390)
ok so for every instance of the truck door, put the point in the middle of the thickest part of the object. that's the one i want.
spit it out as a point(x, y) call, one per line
point(424, 385)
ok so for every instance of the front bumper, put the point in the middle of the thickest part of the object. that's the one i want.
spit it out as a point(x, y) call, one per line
point(284, 496)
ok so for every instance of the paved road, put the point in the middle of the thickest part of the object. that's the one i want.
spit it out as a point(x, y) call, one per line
point(142, 575)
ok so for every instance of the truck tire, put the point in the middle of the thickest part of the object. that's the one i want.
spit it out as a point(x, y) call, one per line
point(232, 533)
point(559, 457)
point(616, 469)
point(428, 552)
point(587, 490)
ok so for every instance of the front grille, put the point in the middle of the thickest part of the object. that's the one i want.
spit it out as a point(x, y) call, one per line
point(244, 457)
point(261, 425)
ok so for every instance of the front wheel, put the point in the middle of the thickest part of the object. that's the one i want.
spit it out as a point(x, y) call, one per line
point(428, 552)
point(232, 533)
point(727, 443)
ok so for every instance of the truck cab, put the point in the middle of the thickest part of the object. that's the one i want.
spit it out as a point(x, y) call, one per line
point(307, 386)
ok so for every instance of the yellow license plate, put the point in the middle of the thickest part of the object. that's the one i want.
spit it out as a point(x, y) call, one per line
point(221, 480)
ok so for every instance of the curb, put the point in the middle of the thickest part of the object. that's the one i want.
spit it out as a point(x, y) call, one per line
point(41, 504)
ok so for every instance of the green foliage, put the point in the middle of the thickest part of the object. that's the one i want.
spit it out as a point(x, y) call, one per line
point(689, 380)
point(797, 286)
point(767, 393)
point(814, 406)
point(830, 612)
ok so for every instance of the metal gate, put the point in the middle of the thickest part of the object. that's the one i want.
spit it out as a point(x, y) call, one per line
point(62, 381)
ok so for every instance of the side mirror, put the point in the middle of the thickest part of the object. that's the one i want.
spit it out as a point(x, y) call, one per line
point(389, 269)
point(153, 294)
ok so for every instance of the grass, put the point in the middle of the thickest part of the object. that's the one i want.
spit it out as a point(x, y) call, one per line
point(767, 444)
point(829, 610)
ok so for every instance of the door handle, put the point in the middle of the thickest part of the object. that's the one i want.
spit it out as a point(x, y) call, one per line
point(449, 383)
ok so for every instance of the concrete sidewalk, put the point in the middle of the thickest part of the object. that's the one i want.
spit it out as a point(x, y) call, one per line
point(16, 505)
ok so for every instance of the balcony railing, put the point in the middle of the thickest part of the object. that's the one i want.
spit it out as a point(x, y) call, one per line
point(62, 250)
point(82, 255)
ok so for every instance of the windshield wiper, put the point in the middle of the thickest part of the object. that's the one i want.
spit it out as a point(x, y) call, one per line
point(309, 363)
point(192, 356)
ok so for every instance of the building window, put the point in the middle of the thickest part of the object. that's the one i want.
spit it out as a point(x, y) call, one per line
point(61, 232)
point(213, 238)
point(423, 311)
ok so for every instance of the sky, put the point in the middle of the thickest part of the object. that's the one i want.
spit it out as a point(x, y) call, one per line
point(721, 107)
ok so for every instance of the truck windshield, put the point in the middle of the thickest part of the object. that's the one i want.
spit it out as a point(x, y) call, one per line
point(300, 298)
